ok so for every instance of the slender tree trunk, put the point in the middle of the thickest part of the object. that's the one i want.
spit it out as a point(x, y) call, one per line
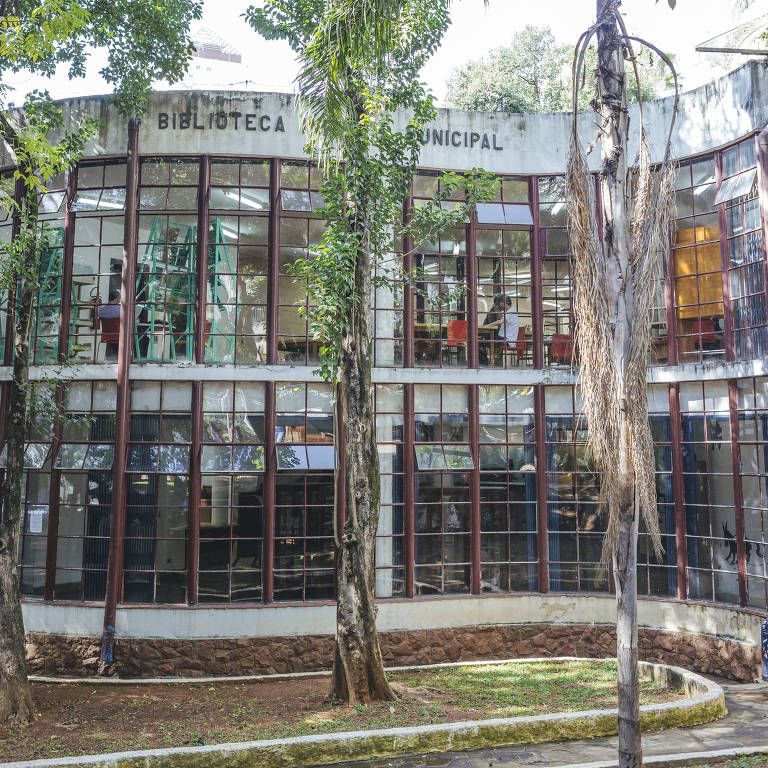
point(612, 103)
point(15, 693)
point(358, 667)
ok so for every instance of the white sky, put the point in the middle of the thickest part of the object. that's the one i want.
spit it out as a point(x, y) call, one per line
point(270, 65)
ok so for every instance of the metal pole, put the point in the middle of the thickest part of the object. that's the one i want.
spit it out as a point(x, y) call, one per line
point(738, 492)
point(408, 352)
point(678, 490)
point(51, 550)
point(408, 490)
point(268, 511)
point(273, 269)
point(722, 221)
point(122, 415)
point(538, 247)
point(203, 203)
point(541, 487)
point(473, 353)
point(475, 548)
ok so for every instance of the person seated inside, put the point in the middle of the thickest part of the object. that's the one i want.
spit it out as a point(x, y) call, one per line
point(508, 323)
point(492, 320)
point(111, 313)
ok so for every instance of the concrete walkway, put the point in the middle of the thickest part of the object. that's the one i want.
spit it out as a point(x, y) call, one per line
point(745, 725)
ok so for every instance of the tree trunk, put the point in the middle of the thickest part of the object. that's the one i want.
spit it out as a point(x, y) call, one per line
point(612, 105)
point(15, 694)
point(358, 668)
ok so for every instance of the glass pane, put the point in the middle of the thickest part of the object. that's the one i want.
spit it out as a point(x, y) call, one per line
point(71, 456)
point(429, 457)
point(291, 457)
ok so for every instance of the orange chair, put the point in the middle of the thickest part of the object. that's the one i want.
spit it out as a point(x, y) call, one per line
point(456, 336)
point(561, 349)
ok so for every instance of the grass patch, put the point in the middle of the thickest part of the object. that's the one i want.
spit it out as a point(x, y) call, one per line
point(742, 761)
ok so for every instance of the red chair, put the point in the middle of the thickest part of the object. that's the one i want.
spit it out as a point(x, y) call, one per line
point(456, 333)
point(110, 330)
point(519, 347)
point(561, 349)
point(704, 329)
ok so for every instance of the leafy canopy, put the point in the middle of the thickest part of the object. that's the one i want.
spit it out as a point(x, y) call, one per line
point(533, 74)
point(145, 40)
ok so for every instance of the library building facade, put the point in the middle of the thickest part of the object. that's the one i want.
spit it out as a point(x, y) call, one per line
point(179, 520)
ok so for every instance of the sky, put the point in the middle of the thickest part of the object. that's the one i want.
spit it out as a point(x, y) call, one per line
point(271, 66)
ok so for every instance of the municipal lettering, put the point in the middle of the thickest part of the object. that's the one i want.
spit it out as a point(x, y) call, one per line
point(444, 137)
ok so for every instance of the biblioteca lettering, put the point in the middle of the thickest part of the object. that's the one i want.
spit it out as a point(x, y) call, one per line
point(237, 121)
point(221, 121)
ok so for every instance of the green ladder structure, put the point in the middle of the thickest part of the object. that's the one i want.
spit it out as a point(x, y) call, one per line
point(164, 294)
point(219, 264)
point(48, 305)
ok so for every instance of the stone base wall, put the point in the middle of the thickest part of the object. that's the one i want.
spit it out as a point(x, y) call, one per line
point(78, 656)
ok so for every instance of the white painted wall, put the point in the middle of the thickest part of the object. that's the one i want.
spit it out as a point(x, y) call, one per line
point(436, 613)
point(710, 116)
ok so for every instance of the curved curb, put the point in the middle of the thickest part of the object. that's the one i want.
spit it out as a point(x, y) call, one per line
point(706, 703)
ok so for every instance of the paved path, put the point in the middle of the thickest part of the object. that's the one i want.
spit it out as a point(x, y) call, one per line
point(745, 725)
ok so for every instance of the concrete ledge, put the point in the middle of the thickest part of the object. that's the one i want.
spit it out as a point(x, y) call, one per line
point(706, 702)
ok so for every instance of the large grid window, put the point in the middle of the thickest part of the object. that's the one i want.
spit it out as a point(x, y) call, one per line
point(387, 305)
point(84, 462)
point(507, 489)
point(444, 466)
point(155, 559)
point(746, 252)
point(35, 499)
point(503, 247)
point(440, 293)
point(753, 446)
point(304, 492)
point(300, 232)
point(167, 260)
point(658, 575)
point(44, 342)
point(577, 519)
point(555, 274)
point(238, 257)
point(505, 313)
point(440, 319)
point(390, 571)
point(97, 262)
point(708, 481)
point(6, 233)
point(696, 263)
point(232, 493)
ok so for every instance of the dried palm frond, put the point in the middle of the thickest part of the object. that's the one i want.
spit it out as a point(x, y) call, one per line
point(613, 384)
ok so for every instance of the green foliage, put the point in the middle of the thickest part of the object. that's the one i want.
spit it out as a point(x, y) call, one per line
point(290, 20)
point(145, 40)
point(38, 158)
point(533, 74)
point(360, 76)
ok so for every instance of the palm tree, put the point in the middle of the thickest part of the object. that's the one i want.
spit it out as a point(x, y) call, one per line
point(360, 63)
point(613, 284)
